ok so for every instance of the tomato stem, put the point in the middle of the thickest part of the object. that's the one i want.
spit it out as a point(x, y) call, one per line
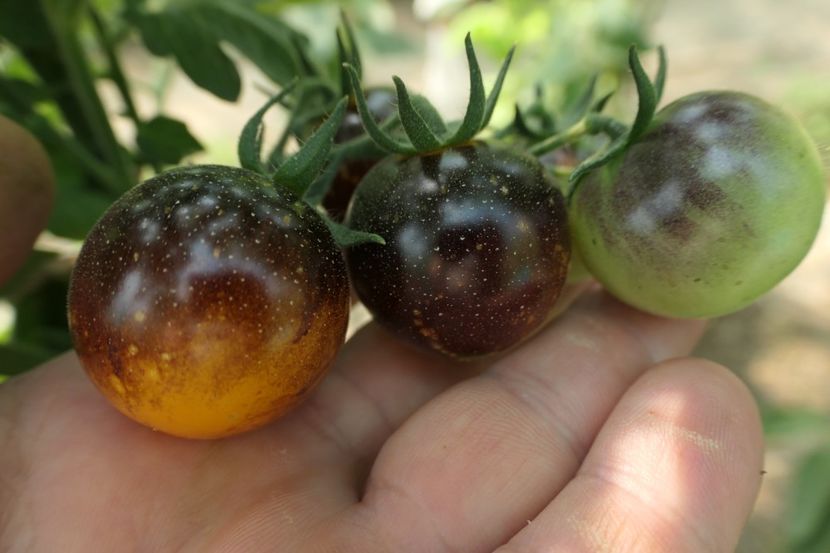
point(568, 136)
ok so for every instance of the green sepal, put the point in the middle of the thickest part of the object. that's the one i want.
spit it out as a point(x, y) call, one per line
point(354, 53)
point(321, 185)
point(345, 237)
point(582, 105)
point(413, 123)
point(660, 78)
point(364, 146)
point(599, 105)
point(596, 161)
point(343, 56)
point(493, 98)
point(430, 115)
point(361, 147)
point(423, 126)
point(474, 115)
point(311, 91)
point(521, 126)
point(299, 171)
point(647, 96)
point(249, 148)
point(381, 138)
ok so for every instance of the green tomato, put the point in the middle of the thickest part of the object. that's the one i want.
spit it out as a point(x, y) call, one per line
point(718, 201)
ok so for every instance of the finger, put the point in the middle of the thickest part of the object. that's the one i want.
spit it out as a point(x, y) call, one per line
point(474, 464)
point(375, 384)
point(378, 382)
point(64, 440)
point(27, 192)
point(676, 468)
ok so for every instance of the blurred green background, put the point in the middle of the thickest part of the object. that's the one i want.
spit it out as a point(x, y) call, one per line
point(781, 51)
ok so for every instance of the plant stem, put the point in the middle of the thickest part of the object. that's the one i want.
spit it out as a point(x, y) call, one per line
point(83, 90)
point(572, 134)
point(593, 123)
point(115, 71)
point(99, 171)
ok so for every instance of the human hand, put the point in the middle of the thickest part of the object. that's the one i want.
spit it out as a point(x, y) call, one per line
point(592, 436)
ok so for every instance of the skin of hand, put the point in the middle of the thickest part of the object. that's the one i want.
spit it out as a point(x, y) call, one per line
point(597, 435)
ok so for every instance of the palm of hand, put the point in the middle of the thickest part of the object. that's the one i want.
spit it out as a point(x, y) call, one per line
point(583, 439)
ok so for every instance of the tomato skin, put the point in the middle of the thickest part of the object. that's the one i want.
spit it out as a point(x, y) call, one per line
point(476, 248)
point(712, 207)
point(381, 102)
point(206, 302)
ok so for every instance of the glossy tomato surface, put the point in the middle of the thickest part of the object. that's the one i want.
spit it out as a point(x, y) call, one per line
point(206, 302)
point(476, 248)
point(712, 207)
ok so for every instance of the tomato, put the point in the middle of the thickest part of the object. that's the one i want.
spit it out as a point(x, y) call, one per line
point(381, 102)
point(476, 248)
point(714, 205)
point(27, 190)
point(206, 302)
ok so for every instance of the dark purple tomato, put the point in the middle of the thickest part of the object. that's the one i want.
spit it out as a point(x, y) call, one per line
point(381, 102)
point(206, 302)
point(476, 248)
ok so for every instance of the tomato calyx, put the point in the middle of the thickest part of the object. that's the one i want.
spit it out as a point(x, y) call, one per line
point(424, 130)
point(298, 172)
point(592, 122)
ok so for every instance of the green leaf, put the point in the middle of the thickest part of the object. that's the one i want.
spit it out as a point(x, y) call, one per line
point(414, 125)
point(647, 97)
point(378, 135)
point(474, 116)
point(810, 507)
point(300, 170)
point(24, 24)
point(346, 237)
point(21, 95)
point(77, 204)
point(249, 149)
point(196, 49)
point(163, 140)
point(266, 41)
point(493, 98)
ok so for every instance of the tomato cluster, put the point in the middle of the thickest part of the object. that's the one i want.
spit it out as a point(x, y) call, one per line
point(209, 300)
